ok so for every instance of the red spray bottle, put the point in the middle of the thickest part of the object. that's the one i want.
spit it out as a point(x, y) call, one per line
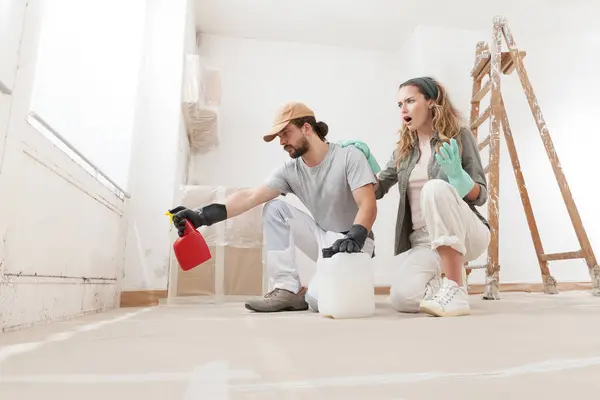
point(190, 249)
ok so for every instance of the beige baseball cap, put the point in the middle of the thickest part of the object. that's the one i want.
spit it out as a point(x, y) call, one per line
point(284, 115)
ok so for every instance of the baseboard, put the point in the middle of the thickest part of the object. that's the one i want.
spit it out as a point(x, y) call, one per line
point(148, 298)
point(512, 287)
point(142, 298)
point(532, 287)
point(382, 290)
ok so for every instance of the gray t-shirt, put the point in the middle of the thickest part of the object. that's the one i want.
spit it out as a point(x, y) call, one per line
point(326, 190)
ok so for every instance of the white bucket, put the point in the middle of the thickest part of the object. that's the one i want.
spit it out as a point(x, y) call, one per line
point(346, 286)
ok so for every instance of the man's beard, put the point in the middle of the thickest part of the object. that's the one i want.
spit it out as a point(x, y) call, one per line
point(299, 150)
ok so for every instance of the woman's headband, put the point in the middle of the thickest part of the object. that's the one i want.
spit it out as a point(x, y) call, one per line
point(426, 83)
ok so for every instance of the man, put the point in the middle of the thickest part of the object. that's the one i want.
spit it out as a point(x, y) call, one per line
point(335, 184)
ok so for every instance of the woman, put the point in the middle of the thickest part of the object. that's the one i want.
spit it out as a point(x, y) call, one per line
point(440, 179)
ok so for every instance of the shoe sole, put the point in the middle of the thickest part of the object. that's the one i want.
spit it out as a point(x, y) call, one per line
point(434, 313)
point(286, 308)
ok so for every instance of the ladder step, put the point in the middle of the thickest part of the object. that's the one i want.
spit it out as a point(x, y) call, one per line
point(476, 266)
point(481, 94)
point(485, 142)
point(481, 62)
point(482, 65)
point(509, 65)
point(482, 118)
point(569, 255)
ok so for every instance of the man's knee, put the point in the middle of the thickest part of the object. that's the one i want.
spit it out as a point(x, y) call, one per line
point(276, 230)
point(276, 209)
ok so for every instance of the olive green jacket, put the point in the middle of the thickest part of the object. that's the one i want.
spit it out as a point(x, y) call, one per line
point(471, 163)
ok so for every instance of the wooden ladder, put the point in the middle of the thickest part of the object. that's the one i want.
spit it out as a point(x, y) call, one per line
point(492, 64)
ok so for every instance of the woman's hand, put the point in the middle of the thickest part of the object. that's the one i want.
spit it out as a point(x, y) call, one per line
point(364, 148)
point(449, 160)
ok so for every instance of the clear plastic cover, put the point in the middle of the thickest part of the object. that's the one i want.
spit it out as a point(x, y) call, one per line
point(210, 86)
point(242, 231)
point(236, 246)
point(202, 127)
point(201, 95)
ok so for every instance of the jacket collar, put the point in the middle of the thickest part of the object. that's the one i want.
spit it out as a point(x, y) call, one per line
point(435, 136)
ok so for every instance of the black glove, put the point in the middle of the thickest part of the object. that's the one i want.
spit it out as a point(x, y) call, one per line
point(205, 216)
point(353, 242)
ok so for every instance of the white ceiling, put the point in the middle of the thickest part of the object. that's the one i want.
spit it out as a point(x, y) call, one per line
point(381, 24)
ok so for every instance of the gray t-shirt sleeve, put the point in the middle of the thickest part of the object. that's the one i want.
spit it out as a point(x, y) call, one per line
point(358, 170)
point(278, 180)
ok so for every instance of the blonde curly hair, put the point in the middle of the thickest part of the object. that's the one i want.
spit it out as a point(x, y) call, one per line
point(446, 118)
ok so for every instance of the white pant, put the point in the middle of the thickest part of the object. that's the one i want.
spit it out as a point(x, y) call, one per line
point(285, 228)
point(448, 222)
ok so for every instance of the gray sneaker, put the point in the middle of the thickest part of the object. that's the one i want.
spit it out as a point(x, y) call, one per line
point(278, 300)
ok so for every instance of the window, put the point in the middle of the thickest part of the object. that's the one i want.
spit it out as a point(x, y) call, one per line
point(86, 79)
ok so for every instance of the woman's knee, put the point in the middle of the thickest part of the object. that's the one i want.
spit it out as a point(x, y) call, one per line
point(406, 298)
point(436, 190)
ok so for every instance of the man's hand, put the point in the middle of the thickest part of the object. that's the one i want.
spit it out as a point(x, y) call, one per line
point(205, 216)
point(352, 242)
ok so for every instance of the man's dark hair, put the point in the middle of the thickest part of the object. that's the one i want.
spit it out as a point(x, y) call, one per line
point(320, 127)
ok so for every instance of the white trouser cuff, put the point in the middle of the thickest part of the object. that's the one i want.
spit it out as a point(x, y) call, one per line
point(446, 240)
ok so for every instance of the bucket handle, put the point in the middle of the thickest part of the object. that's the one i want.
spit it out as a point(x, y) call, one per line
point(328, 252)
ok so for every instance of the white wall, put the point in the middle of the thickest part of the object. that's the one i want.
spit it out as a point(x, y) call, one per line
point(159, 147)
point(354, 92)
point(61, 252)
point(562, 85)
point(258, 77)
point(12, 15)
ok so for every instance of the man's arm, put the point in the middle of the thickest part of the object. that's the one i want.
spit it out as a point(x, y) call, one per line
point(356, 237)
point(361, 181)
point(367, 206)
point(234, 205)
point(242, 201)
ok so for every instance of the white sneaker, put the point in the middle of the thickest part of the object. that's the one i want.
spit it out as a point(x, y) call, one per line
point(450, 301)
point(432, 287)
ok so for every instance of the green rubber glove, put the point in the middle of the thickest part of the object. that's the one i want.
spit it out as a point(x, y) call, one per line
point(449, 159)
point(362, 146)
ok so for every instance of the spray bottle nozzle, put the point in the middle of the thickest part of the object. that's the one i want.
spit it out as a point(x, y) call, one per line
point(174, 211)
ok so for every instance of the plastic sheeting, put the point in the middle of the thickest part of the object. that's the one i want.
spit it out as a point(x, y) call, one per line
point(201, 95)
point(202, 128)
point(236, 246)
point(242, 231)
point(242, 275)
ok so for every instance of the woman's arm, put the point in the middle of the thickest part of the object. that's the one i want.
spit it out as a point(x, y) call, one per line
point(386, 178)
point(471, 163)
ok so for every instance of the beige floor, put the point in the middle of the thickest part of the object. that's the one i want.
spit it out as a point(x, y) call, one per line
point(523, 346)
